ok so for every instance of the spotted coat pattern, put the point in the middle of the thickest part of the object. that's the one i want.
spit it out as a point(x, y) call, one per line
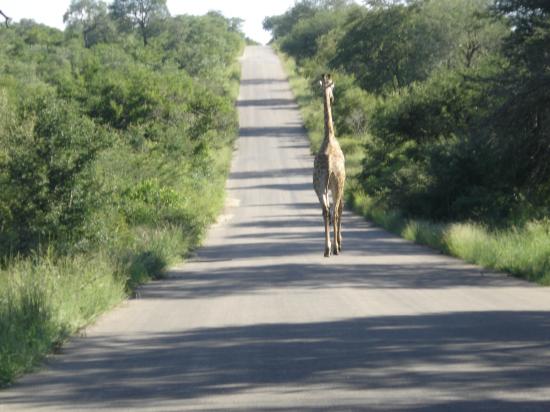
point(329, 174)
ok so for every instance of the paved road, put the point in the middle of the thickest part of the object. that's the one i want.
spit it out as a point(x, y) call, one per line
point(259, 320)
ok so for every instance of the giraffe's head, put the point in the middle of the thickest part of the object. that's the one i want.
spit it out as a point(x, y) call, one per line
point(328, 85)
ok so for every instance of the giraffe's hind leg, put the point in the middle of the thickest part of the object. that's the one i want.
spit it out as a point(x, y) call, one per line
point(326, 220)
point(336, 245)
point(339, 211)
point(338, 207)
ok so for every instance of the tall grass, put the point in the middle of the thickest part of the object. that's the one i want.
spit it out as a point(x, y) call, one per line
point(43, 300)
point(523, 250)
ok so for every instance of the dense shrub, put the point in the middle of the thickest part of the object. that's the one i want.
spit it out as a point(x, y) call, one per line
point(450, 99)
point(49, 189)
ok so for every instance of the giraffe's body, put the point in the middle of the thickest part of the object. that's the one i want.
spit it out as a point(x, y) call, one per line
point(329, 174)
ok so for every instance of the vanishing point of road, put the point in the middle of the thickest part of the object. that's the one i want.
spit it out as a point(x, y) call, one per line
point(259, 320)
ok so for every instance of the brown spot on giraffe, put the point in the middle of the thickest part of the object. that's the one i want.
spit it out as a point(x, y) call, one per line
point(329, 173)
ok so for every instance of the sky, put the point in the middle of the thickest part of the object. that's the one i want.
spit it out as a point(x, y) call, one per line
point(51, 12)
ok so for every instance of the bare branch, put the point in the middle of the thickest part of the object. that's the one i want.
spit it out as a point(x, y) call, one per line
point(6, 18)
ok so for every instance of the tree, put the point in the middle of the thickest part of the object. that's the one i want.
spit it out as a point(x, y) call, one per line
point(388, 48)
point(283, 24)
point(91, 18)
point(301, 42)
point(523, 121)
point(140, 14)
point(464, 33)
point(383, 4)
point(202, 44)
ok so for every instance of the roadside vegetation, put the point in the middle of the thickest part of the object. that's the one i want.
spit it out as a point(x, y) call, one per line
point(115, 143)
point(442, 108)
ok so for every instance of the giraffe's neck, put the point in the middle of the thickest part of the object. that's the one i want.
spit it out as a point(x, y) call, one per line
point(329, 125)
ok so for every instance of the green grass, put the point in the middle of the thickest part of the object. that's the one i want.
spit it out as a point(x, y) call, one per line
point(43, 300)
point(523, 251)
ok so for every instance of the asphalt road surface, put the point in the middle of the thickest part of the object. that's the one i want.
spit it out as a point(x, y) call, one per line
point(259, 320)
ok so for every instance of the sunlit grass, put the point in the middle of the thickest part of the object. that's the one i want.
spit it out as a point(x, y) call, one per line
point(523, 251)
point(43, 300)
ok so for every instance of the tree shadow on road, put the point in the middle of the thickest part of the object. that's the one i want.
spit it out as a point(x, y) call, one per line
point(456, 359)
point(264, 81)
point(260, 278)
point(271, 103)
point(278, 131)
point(270, 173)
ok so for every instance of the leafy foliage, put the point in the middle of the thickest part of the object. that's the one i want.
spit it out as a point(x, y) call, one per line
point(47, 178)
point(202, 44)
point(523, 121)
point(397, 63)
point(449, 98)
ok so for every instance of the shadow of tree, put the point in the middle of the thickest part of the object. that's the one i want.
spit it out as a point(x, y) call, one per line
point(255, 279)
point(270, 173)
point(267, 103)
point(260, 81)
point(279, 131)
point(456, 359)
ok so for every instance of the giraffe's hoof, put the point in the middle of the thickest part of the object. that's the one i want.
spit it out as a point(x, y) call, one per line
point(327, 252)
point(336, 250)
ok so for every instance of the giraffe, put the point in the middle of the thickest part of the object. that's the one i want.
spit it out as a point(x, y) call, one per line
point(329, 173)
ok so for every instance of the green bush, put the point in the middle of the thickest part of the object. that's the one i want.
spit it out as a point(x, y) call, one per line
point(49, 188)
point(149, 202)
point(430, 154)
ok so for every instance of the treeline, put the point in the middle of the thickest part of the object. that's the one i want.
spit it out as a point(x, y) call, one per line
point(449, 100)
point(115, 140)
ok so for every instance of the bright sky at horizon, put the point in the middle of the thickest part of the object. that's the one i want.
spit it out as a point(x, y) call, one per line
point(251, 11)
